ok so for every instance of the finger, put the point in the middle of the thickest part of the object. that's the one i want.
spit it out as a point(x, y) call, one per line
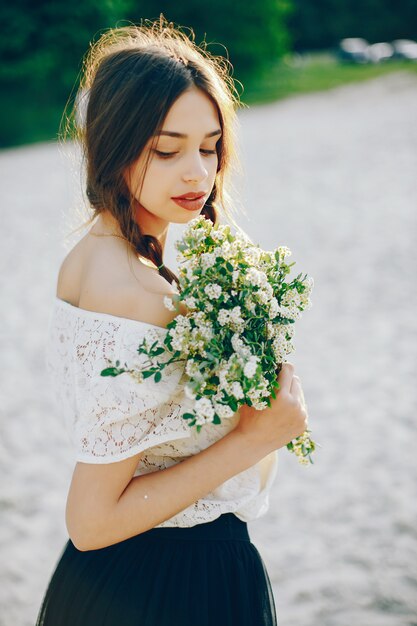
point(285, 376)
point(295, 386)
point(296, 389)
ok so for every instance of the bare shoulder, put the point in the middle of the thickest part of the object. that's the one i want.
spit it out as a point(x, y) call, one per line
point(102, 276)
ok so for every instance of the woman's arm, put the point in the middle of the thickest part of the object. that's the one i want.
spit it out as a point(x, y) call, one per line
point(106, 505)
point(95, 520)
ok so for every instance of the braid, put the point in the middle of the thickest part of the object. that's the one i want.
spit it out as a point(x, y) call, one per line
point(149, 247)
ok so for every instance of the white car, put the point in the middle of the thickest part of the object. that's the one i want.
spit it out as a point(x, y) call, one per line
point(378, 52)
point(354, 49)
point(405, 49)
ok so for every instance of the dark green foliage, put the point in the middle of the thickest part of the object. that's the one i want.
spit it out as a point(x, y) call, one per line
point(43, 43)
point(112, 371)
point(321, 24)
point(41, 50)
point(254, 33)
point(45, 40)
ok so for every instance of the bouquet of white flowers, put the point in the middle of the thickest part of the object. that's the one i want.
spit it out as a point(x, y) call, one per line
point(238, 328)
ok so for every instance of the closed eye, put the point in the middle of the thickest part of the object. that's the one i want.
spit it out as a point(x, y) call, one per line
point(167, 155)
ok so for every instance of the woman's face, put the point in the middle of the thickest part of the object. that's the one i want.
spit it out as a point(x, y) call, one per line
point(182, 161)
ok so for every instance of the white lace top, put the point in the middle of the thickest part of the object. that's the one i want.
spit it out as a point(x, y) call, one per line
point(112, 418)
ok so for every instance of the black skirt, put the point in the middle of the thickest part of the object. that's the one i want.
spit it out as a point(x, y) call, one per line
point(205, 575)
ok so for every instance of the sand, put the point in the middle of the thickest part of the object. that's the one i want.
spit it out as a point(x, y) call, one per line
point(333, 177)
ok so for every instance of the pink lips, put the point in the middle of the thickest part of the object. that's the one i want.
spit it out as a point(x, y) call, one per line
point(191, 195)
point(190, 205)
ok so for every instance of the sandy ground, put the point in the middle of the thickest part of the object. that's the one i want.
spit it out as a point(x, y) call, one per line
point(333, 177)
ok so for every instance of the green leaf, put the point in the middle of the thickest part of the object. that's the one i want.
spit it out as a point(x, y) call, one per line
point(188, 416)
point(147, 374)
point(111, 371)
point(158, 377)
point(158, 351)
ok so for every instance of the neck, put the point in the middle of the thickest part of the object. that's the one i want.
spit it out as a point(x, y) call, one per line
point(107, 226)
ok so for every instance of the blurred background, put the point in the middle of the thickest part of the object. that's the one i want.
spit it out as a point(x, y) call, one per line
point(328, 147)
point(277, 47)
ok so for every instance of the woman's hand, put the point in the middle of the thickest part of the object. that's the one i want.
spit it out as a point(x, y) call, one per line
point(283, 421)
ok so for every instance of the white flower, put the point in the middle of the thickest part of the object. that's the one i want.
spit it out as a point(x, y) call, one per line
point(222, 374)
point(291, 312)
point(289, 330)
point(253, 255)
point(237, 391)
point(284, 252)
point(223, 411)
point(291, 296)
point(263, 296)
point(281, 347)
point(242, 238)
point(217, 235)
point(137, 376)
point(183, 322)
point(190, 302)
point(270, 330)
point(235, 313)
point(208, 259)
point(223, 317)
point(250, 304)
point(255, 277)
point(259, 404)
point(168, 303)
point(191, 368)
point(250, 367)
point(273, 308)
point(227, 251)
point(204, 409)
point(213, 290)
point(239, 346)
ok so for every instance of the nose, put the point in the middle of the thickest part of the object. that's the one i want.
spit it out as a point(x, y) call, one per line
point(196, 169)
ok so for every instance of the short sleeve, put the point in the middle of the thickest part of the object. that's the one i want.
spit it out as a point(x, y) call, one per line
point(118, 417)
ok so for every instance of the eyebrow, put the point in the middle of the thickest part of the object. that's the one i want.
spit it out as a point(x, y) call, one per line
point(170, 133)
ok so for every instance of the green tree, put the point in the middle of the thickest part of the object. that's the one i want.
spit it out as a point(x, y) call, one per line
point(322, 23)
point(43, 43)
point(41, 49)
point(254, 33)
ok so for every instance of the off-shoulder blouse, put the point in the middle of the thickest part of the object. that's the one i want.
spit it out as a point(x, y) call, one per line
point(109, 419)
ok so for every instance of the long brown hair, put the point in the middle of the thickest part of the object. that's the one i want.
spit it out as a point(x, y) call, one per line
point(131, 77)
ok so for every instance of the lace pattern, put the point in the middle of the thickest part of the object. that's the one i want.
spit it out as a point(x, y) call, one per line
point(110, 419)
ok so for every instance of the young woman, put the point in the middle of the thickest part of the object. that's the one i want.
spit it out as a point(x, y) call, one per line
point(156, 513)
